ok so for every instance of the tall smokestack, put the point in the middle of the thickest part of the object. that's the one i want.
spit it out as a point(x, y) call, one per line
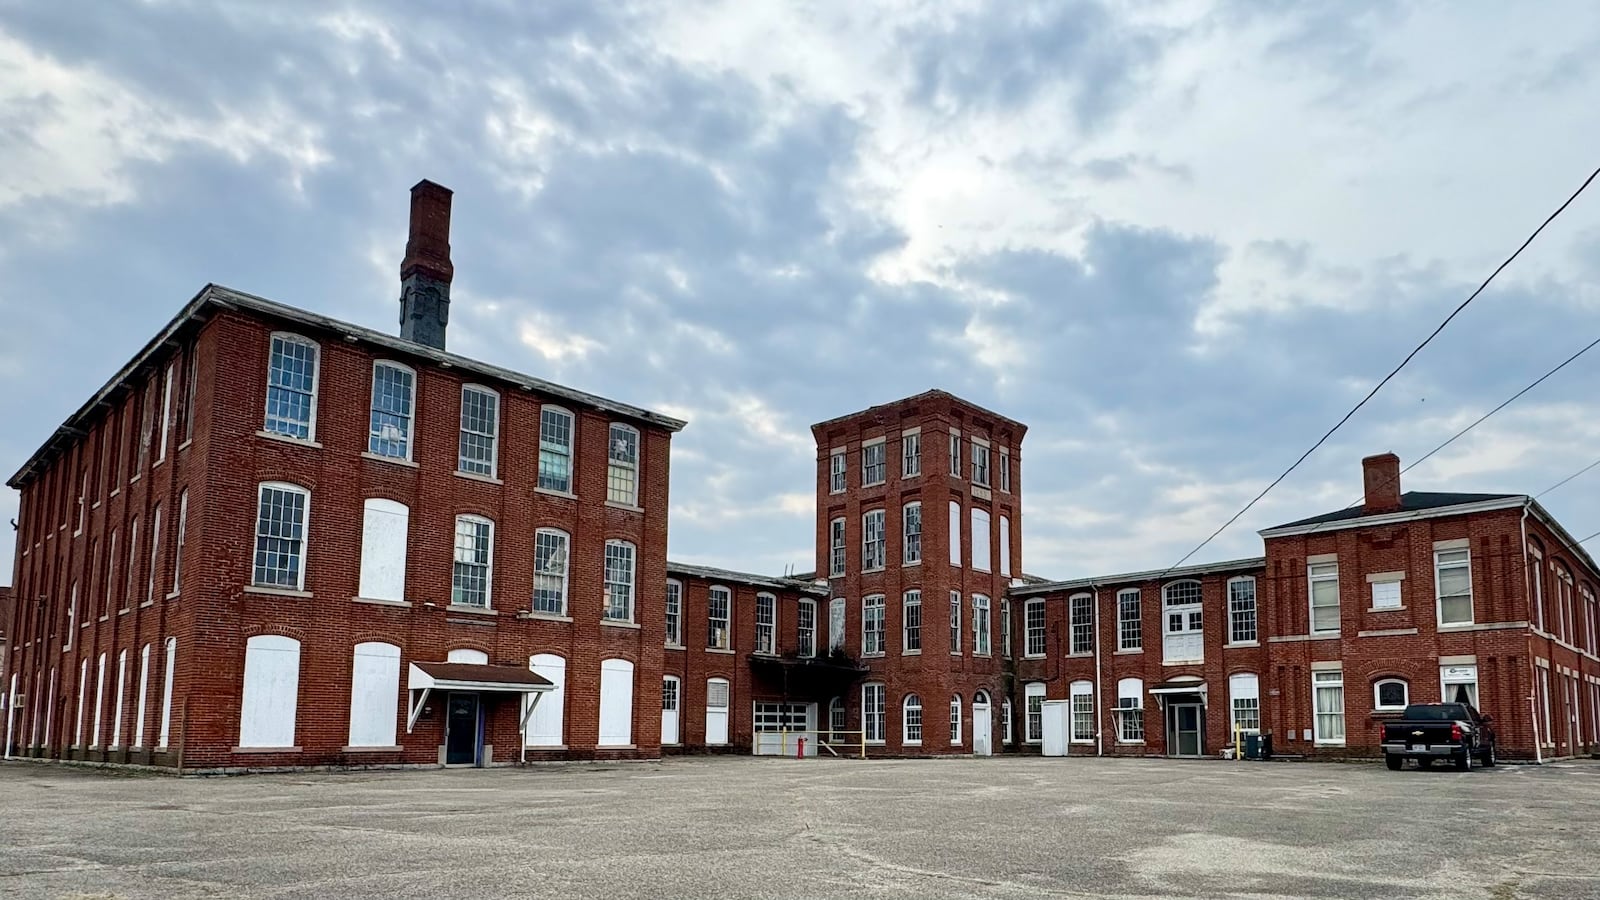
point(426, 272)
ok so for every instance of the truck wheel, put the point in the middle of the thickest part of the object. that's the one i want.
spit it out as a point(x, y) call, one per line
point(1393, 762)
point(1488, 760)
point(1464, 760)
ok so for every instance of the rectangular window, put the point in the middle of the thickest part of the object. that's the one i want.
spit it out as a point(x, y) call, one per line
point(955, 533)
point(1033, 722)
point(1244, 690)
point(980, 464)
point(1082, 712)
point(1324, 579)
point(955, 454)
point(133, 564)
point(911, 544)
point(1328, 688)
point(836, 613)
point(166, 411)
point(472, 572)
point(619, 581)
point(837, 464)
point(980, 539)
point(183, 531)
point(622, 466)
point(385, 528)
point(1452, 571)
point(912, 719)
point(550, 572)
point(555, 449)
point(955, 621)
point(1130, 711)
point(155, 555)
point(980, 625)
point(292, 388)
point(719, 613)
point(1130, 622)
point(872, 712)
point(480, 428)
point(1386, 595)
point(1082, 624)
point(911, 455)
point(674, 614)
point(280, 536)
point(389, 425)
point(111, 572)
point(83, 501)
point(1005, 471)
point(1005, 546)
point(836, 548)
point(806, 619)
point(186, 405)
point(955, 720)
point(1033, 628)
point(873, 542)
point(911, 622)
point(1005, 627)
point(1242, 610)
point(872, 636)
point(873, 468)
point(766, 624)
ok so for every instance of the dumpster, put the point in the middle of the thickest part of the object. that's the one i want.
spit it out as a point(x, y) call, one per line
point(1257, 746)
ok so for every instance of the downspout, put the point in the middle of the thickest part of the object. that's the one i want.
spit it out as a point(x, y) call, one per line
point(1099, 692)
point(1533, 670)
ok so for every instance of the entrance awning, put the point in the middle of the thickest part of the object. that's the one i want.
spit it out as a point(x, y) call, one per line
point(1168, 688)
point(426, 677)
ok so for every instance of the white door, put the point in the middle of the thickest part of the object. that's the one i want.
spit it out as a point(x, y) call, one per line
point(982, 730)
point(1054, 715)
point(717, 711)
point(669, 709)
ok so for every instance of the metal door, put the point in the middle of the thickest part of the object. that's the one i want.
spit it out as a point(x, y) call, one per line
point(982, 730)
point(461, 731)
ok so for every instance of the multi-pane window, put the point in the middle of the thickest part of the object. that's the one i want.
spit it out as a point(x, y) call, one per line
point(1130, 710)
point(1184, 617)
point(550, 571)
point(1324, 578)
point(873, 541)
point(955, 720)
point(1130, 623)
point(872, 636)
point(393, 398)
point(1005, 471)
point(1244, 691)
point(1592, 629)
point(1005, 627)
point(674, 613)
point(872, 713)
point(836, 468)
point(874, 470)
point(1452, 570)
point(980, 463)
point(292, 387)
point(1033, 721)
point(619, 581)
point(555, 449)
point(622, 465)
point(911, 622)
point(836, 548)
point(911, 719)
point(955, 454)
point(1536, 578)
point(806, 627)
point(480, 429)
point(1033, 628)
point(1242, 610)
point(719, 612)
point(766, 623)
point(280, 536)
point(1328, 691)
point(1082, 723)
point(1005, 720)
point(911, 517)
point(980, 625)
point(911, 455)
point(472, 573)
point(955, 621)
point(1082, 621)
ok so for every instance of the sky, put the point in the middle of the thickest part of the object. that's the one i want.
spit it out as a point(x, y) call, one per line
point(1177, 239)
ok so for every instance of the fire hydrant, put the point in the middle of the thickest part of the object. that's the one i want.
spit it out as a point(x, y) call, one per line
point(800, 753)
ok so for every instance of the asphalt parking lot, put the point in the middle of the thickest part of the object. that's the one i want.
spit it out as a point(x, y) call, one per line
point(740, 827)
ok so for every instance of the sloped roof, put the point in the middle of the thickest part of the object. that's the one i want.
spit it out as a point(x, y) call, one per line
point(1410, 501)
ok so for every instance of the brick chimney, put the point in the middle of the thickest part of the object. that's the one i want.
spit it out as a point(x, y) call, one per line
point(1381, 474)
point(426, 272)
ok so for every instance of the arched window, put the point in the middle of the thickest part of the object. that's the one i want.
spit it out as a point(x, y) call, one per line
point(911, 719)
point(469, 656)
point(1181, 622)
point(1390, 694)
point(836, 719)
point(717, 703)
point(1244, 692)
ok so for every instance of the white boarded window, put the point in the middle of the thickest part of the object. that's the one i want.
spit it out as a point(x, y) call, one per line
point(616, 703)
point(622, 469)
point(144, 693)
point(271, 691)
point(166, 415)
point(384, 526)
point(545, 725)
point(717, 711)
point(83, 689)
point(100, 701)
point(389, 427)
point(292, 388)
point(1005, 544)
point(555, 449)
point(1386, 595)
point(374, 694)
point(171, 670)
point(1182, 622)
point(122, 689)
point(473, 570)
point(980, 539)
point(550, 571)
point(955, 533)
point(467, 655)
point(619, 581)
point(183, 533)
point(281, 516)
point(480, 430)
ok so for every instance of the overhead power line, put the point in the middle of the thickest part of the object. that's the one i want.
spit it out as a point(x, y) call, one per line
point(1566, 479)
point(1393, 372)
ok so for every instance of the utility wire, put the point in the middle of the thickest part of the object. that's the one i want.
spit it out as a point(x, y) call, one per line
point(1566, 479)
point(1395, 371)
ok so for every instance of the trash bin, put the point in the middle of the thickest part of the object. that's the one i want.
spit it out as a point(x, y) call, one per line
point(1252, 746)
point(1266, 745)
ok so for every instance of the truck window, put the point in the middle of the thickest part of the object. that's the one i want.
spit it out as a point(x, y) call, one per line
point(1444, 712)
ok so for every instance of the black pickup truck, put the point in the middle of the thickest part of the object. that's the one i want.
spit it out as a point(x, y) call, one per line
point(1429, 731)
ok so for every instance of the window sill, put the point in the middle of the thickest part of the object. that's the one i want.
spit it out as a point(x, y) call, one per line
point(1459, 626)
point(543, 616)
point(720, 650)
point(912, 564)
point(1327, 743)
point(277, 592)
point(1132, 651)
point(1238, 644)
point(280, 438)
point(1080, 654)
point(1081, 741)
point(473, 476)
point(916, 652)
point(95, 505)
point(147, 604)
point(171, 596)
point(616, 746)
point(618, 623)
point(1384, 609)
point(1182, 662)
point(873, 571)
point(115, 491)
point(547, 747)
point(673, 646)
point(131, 481)
point(124, 611)
point(876, 484)
point(981, 492)
point(877, 655)
point(157, 464)
point(77, 534)
point(552, 492)
point(1130, 743)
point(394, 460)
point(629, 507)
point(394, 749)
point(1390, 711)
point(911, 743)
point(1033, 656)
point(185, 445)
point(245, 750)
point(373, 601)
point(474, 610)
